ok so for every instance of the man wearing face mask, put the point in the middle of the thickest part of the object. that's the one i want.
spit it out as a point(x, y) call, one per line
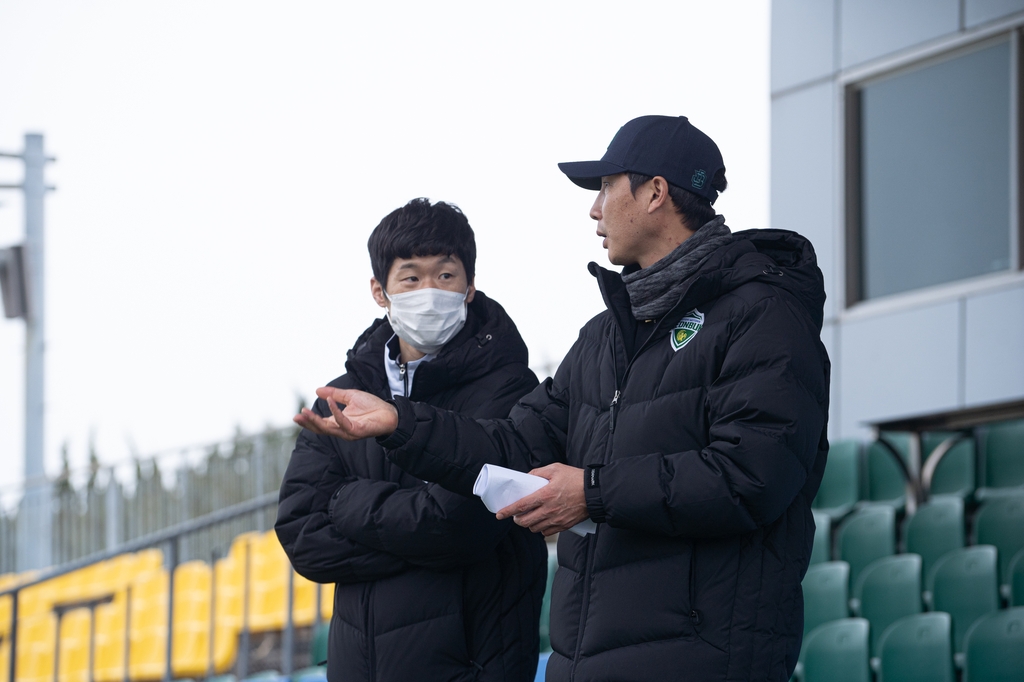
point(429, 584)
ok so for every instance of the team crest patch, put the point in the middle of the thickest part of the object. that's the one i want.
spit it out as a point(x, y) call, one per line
point(687, 329)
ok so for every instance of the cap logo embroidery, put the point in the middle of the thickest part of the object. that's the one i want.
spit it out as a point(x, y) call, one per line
point(698, 179)
point(687, 328)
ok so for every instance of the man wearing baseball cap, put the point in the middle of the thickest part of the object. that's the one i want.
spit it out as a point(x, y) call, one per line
point(688, 421)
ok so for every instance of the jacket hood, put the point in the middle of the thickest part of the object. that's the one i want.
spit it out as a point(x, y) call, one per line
point(488, 340)
point(781, 258)
point(795, 266)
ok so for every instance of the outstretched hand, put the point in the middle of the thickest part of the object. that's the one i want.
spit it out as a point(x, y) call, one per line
point(359, 415)
point(558, 506)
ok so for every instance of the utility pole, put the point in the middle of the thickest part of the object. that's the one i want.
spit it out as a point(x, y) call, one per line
point(23, 282)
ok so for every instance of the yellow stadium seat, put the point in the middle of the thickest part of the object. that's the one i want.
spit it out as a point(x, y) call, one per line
point(5, 659)
point(120, 572)
point(148, 655)
point(268, 582)
point(304, 612)
point(10, 580)
point(38, 599)
point(190, 652)
point(6, 580)
point(76, 585)
point(110, 575)
point(238, 545)
point(109, 644)
point(327, 601)
point(5, 617)
point(148, 559)
point(35, 647)
point(229, 594)
point(74, 646)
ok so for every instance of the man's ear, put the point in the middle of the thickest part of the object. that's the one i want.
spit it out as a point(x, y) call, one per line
point(472, 291)
point(659, 194)
point(377, 291)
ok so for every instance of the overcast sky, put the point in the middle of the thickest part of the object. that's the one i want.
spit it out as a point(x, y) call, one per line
point(221, 164)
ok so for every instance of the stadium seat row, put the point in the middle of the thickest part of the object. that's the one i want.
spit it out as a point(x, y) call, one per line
point(916, 648)
point(130, 592)
point(963, 583)
point(938, 527)
point(856, 474)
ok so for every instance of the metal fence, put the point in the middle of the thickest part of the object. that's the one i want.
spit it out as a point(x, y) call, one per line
point(171, 539)
point(102, 508)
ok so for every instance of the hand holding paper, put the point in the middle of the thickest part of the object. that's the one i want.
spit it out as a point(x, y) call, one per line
point(500, 488)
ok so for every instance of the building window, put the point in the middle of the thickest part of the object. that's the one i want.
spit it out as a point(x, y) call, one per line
point(929, 172)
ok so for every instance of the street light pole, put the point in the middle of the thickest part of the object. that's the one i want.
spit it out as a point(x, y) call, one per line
point(35, 516)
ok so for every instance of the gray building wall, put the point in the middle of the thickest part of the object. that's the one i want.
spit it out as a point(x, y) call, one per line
point(942, 348)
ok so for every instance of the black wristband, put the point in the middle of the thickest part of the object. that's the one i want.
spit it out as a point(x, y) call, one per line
point(592, 492)
point(406, 425)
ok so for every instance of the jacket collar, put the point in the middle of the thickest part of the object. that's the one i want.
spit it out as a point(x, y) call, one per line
point(780, 258)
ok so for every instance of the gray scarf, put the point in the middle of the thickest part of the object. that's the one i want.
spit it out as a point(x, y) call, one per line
point(654, 290)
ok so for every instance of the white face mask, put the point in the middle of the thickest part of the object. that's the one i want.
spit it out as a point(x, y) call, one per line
point(427, 318)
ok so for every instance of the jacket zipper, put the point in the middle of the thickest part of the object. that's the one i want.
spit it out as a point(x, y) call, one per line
point(620, 384)
point(611, 410)
point(371, 637)
point(695, 615)
point(591, 539)
point(405, 378)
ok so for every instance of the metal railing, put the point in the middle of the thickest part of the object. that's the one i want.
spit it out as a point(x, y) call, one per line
point(171, 539)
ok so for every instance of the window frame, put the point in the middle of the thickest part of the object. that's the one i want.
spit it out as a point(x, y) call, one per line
point(851, 82)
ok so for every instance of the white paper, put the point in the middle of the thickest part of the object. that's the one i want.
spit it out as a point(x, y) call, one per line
point(499, 487)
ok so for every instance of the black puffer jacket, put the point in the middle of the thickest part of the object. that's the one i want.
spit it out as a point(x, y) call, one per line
point(702, 452)
point(430, 586)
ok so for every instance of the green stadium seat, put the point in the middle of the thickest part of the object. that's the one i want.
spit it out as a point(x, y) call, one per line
point(822, 549)
point(955, 473)
point(885, 481)
point(888, 589)
point(936, 528)
point(837, 652)
point(545, 606)
point(321, 637)
point(994, 648)
point(826, 593)
point(1016, 579)
point(964, 584)
point(917, 648)
point(1002, 460)
point(1000, 522)
point(867, 534)
point(317, 673)
point(840, 485)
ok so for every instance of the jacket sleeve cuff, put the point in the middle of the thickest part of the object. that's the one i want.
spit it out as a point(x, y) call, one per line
point(406, 425)
point(592, 491)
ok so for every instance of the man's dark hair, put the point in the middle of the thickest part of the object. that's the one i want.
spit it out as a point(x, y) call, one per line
point(695, 209)
point(419, 229)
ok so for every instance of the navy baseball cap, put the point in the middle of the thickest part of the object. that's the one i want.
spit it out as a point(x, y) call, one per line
point(669, 146)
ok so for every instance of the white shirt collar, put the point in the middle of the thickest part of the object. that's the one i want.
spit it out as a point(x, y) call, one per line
point(398, 383)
